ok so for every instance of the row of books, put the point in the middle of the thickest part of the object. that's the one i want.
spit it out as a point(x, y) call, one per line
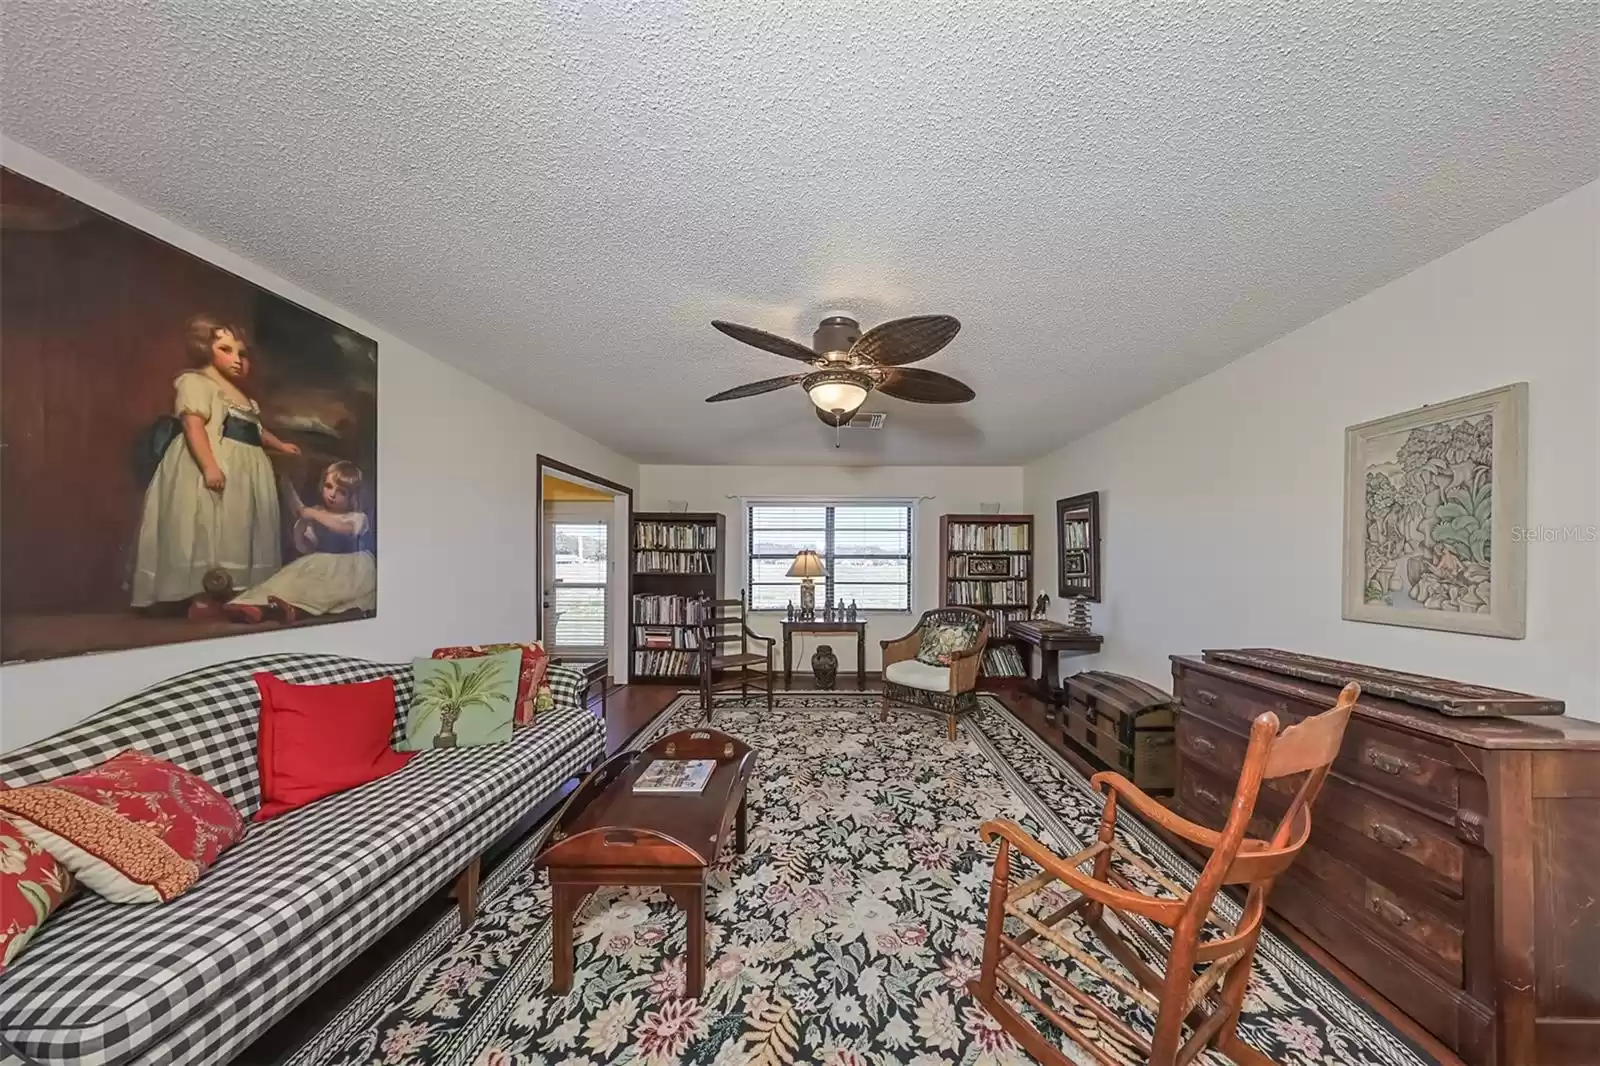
point(672, 562)
point(1075, 534)
point(656, 637)
point(1000, 618)
point(999, 537)
point(675, 537)
point(669, 610)
point(665, 663)
point(1003, 660)
point(978, 593)
point(988, 566)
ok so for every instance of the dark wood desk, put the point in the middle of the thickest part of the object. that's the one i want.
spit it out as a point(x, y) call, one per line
point(1049, 640)
point(818, 625)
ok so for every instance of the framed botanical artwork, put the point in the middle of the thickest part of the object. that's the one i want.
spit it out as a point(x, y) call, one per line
point(1078, 546)
point(1432, 498)
point(186, 454)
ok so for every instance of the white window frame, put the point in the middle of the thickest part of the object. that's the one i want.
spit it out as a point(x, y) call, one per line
point(910, 503)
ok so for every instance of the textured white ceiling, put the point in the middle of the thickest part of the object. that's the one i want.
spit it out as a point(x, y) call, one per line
point(1114, 197)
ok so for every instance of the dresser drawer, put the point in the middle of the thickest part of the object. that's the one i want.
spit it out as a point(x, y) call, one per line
point(1421, 770)
point(1426, 932)
point(1234, 704)
point(1429, 851)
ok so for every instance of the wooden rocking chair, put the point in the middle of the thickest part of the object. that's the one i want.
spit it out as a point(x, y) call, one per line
point(1204, 982)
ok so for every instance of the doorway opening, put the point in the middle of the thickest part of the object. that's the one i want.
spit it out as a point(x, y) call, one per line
point(584, 523)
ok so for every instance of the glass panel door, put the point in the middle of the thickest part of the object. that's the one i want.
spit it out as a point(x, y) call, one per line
point(575, 617)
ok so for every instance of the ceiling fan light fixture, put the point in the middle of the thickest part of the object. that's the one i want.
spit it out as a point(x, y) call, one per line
point(837, 392)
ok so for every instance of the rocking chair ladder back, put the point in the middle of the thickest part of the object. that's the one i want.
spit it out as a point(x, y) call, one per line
point(725, 624)
point(1204, 981)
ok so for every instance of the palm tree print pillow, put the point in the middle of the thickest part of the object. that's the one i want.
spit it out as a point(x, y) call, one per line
point(459, 703)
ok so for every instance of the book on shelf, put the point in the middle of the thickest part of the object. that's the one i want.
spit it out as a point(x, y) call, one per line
point(672, 562)
point(657, 637)
point(654, 662)
point(669, 610)
point(675, 776)
point(990, 537)
point(968, 593)
point(1001, 619)
point(1003, 660)
point(675, 536)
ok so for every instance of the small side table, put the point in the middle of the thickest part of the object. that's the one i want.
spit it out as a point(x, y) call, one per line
point(818, 625)
point(1050, 639)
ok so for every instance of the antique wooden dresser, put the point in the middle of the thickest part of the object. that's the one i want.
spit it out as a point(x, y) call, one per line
point(1120, 723)
point(1454, 862)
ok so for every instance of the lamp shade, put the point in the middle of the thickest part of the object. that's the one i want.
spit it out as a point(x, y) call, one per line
point(807, 563)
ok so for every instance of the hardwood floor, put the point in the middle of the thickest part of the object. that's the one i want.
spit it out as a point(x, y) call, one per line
point(629, 708)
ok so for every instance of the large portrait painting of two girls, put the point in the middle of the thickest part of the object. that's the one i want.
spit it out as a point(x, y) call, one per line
point(185, 454)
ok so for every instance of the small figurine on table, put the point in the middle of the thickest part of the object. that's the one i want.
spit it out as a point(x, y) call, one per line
point(851, 615)
point(789, 616)
point(1041, 606)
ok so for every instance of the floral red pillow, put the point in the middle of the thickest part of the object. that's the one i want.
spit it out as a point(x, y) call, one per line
point(32, 886)
point(136, 829)
point(531, 684)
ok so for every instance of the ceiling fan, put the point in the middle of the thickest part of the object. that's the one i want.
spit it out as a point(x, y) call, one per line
point(847, 364)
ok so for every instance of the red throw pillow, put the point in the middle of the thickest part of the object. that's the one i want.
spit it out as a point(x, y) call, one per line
point(535, 664)
point(316, 740)
point(32, 886)
point(136, 829)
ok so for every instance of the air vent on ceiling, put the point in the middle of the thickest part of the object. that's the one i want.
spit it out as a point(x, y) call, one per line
point(867, 420)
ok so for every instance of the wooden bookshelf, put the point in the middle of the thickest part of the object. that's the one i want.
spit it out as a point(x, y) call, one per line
point(674, 558)
point(986, 561)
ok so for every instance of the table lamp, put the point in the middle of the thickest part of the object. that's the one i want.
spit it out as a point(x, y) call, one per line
point(806, 566)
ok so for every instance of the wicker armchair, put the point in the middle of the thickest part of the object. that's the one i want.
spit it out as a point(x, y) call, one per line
point(948, 690)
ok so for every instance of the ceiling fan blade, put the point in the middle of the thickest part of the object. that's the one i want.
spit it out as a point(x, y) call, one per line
point(923, 386)
point(756, 388)
point(767, 342)
point(905, 340)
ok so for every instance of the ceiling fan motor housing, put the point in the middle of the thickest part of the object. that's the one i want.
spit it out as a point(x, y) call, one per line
point(834, 337)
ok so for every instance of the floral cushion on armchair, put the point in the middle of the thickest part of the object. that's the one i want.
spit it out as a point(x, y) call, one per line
point(940, 641)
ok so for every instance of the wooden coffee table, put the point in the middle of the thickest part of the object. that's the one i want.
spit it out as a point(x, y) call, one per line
point(610, 835)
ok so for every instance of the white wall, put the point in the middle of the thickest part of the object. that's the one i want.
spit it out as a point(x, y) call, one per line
point(458, 512)
point(1222, 504)
point(953, 490)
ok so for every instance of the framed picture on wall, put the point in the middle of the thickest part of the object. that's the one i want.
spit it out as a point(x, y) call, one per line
point(1435, 516)
point(1078, 546)
point(186, 454)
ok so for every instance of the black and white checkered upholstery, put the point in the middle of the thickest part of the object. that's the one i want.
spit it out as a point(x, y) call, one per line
point(566, 685)
point(196, 979)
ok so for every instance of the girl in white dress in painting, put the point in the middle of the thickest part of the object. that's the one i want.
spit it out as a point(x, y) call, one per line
point(338, 572)
point(213, 502)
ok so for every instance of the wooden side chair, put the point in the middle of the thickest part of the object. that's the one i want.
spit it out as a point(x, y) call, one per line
point(913, 674)
point(725, 623)
point(1203, 982)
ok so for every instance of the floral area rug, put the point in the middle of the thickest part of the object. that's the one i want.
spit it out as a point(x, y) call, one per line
point(844, 935)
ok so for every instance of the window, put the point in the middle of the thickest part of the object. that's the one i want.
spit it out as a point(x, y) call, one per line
point(865, 547)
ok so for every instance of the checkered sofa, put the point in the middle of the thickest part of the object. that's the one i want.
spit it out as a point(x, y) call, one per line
point(196, 979)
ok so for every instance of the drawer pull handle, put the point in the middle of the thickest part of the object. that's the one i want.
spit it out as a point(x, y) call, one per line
point(1389, 764)
point(1205, 696)
point(1201, 746)
point(1390, 837)
point(1208, 795)
point(1392, 913)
